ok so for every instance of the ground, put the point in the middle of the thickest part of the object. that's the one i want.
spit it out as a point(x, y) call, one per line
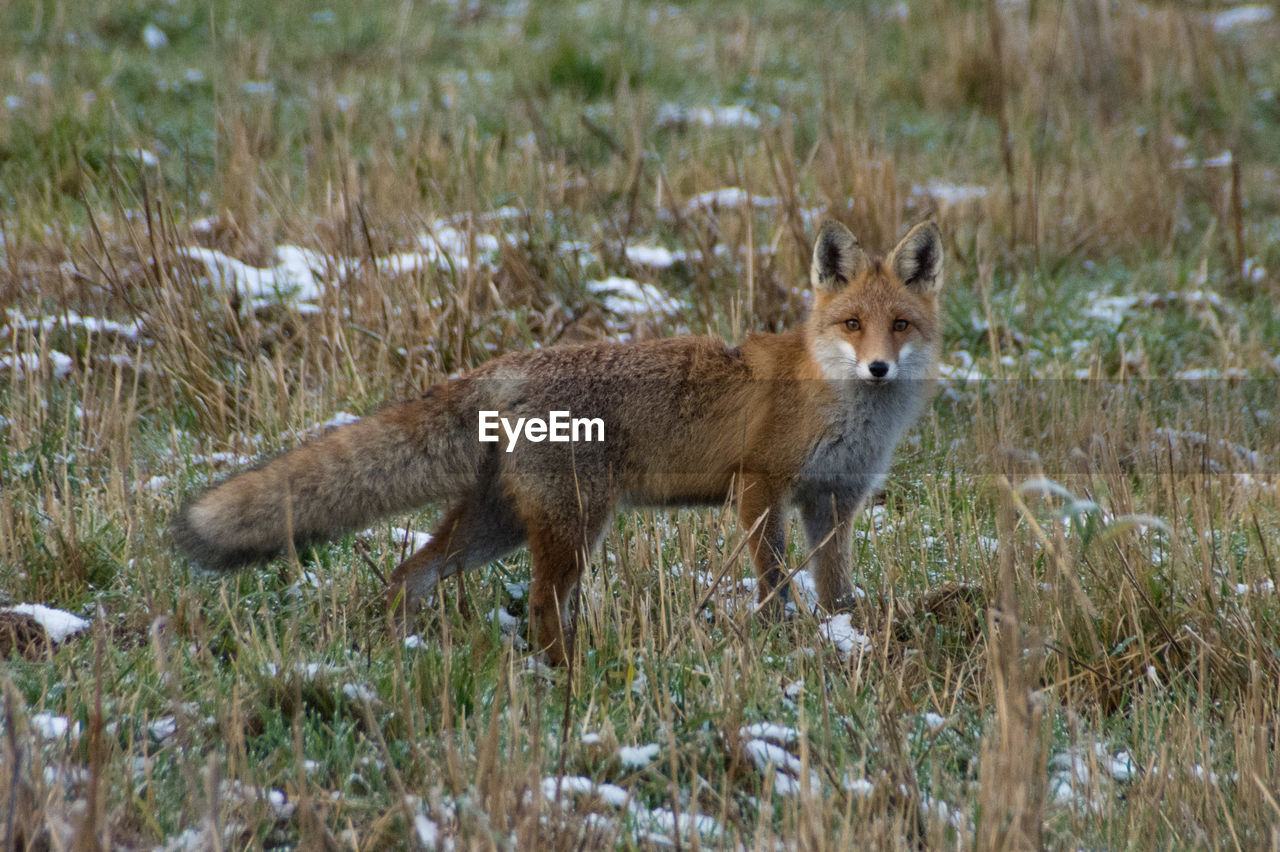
point(224, 229)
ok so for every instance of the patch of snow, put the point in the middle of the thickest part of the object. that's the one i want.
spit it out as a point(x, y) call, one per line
point(291, 278)
point(1266, 587)
point(342, 418)
point(26, 363)
point(426, 831)
point(1253, 271)
point(50, 725)
point(666, 821)
point(805, 587)
point(1243, 454)
point(674, 115)
point(768, 731)
point(415, 539)
point(934, 721)
point(728, 198)
point(154, 38)
point(577, 785)
point(163, 728)
point(1202, 373)
point(1112, 309)
point(359, 692)
point(638, 757)
point(71, 319)
point(58, 623)
point(839, 630)
point(1082, 776)
point(858, 786)
point(155, 485)
point(507, 623)
point(654, 256)
point(945, 192)
point(626, 296)
point(1221, 161)
point(788, 770)
point(1239, 16)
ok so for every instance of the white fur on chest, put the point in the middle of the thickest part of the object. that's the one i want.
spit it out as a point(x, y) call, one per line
point(864, 426)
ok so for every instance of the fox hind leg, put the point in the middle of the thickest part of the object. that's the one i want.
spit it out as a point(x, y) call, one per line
point(762, 512)
point(470, 535)
point(559, 558)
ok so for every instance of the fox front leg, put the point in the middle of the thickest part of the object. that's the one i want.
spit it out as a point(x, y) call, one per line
point(828, 527)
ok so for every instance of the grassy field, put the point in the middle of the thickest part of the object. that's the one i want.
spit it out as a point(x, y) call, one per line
point(223, 225)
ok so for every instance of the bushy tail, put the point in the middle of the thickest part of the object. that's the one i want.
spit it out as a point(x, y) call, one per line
point(401, 458)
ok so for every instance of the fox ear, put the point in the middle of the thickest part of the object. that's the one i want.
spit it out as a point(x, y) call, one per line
point(917, 261)
point(837, 258)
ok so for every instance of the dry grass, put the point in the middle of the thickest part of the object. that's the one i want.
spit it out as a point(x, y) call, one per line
point(1074, 565)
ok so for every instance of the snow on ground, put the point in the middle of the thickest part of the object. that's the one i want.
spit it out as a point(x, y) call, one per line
point(728, 198)
point(414, 540)
point(761, 744)
point(59, 624)
point(25, 363)
point(653, 824)
point(674, 115)
point(297, 274)
point(848, 640)
point(1083, 777)
point(1178, 438)
point(626, 296)
point(1114, 309)
point(73, 320)
point(656, 257)
point(945, 192)
point(637, 757)
point(1238, 17)
point(51, 726)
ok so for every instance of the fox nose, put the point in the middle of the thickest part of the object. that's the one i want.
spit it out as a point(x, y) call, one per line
point(878, 369)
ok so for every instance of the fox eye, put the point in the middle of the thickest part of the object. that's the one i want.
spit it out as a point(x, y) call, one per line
point(900, 325)
point(852, 324)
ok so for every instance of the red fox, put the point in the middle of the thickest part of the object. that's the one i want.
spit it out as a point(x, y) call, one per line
point(807, 418)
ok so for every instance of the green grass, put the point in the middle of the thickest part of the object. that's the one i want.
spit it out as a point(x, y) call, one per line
point(351, 130)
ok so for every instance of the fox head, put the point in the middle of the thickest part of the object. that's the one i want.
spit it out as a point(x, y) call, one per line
point(875, 320)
